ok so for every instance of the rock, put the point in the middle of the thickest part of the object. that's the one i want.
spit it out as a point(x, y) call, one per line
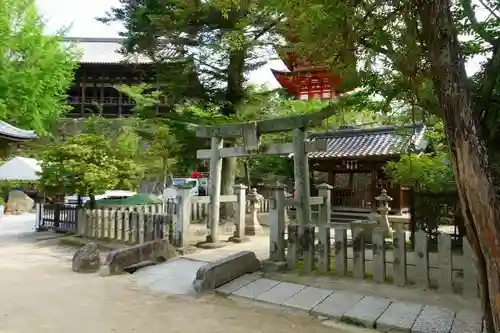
point(150, 252)
point(18, 203)
point(221, 271)
point(87, 259)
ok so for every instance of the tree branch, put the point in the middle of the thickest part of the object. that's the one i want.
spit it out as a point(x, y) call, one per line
point(490, 10)
point(475, 24)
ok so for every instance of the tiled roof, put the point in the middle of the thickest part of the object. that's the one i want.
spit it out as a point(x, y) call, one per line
point(9, 132)
point(379, 141)
point(104, 51)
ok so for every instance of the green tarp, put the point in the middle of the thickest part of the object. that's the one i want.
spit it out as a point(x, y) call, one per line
point(135, 200)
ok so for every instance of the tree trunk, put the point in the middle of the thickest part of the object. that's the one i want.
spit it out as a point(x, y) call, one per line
point(229, 168)
point(247, 174)
point(478, 199)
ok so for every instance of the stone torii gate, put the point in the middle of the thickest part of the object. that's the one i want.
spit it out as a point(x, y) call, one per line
point(250, 132)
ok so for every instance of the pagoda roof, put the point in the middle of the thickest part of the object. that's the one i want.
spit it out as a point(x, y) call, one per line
point(12, 133)
point(98, 50)
point(382, 141)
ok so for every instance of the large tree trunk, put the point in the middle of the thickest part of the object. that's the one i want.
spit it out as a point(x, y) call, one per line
point(479, 202)
point(235, 93)
point(229, 168)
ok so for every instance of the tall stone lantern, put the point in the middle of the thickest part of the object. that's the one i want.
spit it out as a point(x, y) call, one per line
point(252, 225)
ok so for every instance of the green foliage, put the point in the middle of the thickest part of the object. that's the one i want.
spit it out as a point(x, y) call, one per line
point(429, 173)
point(221, 41)
point(162, 153)
point(88, 164)
point(270, 166)
point(36, 69)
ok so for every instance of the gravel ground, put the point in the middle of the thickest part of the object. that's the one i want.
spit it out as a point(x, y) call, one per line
point(40, 294)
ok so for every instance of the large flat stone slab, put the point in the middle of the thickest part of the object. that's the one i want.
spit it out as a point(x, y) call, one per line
point(399, 317)
point(307, 298)
point(255, 288)
point(172, 277)
point(337, 304)
point(280, 293)
point(433, 319)
point(220, 272)
point(467, 322)
point(232, 286)
point(365, 312)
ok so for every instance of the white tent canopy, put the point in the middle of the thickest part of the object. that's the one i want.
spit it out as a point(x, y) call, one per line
point(20, 168)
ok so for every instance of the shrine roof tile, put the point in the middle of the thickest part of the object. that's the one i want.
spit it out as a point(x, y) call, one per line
point(380, 141)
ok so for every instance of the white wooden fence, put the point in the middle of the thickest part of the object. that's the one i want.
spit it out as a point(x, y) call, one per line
point(131, 225)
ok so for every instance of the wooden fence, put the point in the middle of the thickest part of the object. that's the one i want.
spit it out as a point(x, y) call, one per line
point(128, 226)
point(199, 210)
point(385, 260)
point(325, 248)
point(138, 223)
point(58, 217)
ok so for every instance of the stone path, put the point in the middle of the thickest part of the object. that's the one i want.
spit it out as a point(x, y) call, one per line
point(367, 311)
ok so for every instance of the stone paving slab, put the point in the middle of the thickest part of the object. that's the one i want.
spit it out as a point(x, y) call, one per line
point(307, 298)
point(365, 312)
point(236, 284)
point(433, 319)
point(256, 288)
point(467, 322)
point(399, 317)
point(337, 304)
point(369, 311)
point(280, 293)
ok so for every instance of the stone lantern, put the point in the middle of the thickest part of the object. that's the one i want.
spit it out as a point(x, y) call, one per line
point(252, 225)
point(384, 209)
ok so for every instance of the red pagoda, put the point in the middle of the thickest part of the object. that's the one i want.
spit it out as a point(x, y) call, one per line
point(304, 80)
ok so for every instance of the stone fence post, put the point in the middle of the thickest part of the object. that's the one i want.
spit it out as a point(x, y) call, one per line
point(277, 259)
point(325, 209)
point(241, 206)
point(183, 217)
point(81, 222)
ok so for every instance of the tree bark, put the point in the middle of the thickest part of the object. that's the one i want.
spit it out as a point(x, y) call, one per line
point(229, 168)
point(478, 198)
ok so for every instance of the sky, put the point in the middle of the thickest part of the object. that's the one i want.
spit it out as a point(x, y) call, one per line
point(79, 18)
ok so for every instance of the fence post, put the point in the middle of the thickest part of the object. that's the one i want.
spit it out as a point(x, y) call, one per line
point(183, 215)
point(56, 216)
point(39, 217)
point(324, 214)
point(276, 230)
point(80, 222)
point(471, 287)
point(241, 206)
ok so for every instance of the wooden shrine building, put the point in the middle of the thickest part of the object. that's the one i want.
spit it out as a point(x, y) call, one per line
point(103, 67)
point(354, 160)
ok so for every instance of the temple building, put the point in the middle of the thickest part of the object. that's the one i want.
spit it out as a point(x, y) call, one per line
point(354, 161)
point(103, 67)
point(304, 79)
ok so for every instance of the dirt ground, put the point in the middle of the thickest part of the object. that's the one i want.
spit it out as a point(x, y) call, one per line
point(40, 293)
